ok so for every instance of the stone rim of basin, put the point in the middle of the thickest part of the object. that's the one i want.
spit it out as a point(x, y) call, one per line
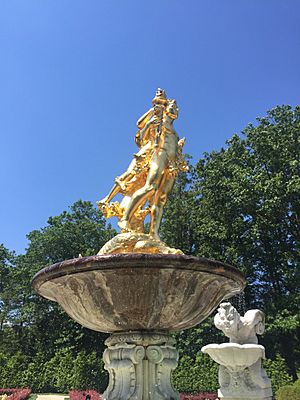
point(180, 261)
point(135, 291)
point(233, 355)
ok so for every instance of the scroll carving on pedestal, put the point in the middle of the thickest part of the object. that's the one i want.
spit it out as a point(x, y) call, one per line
point(140, 366)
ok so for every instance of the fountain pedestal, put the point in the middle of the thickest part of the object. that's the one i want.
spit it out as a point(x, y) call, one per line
point(241, 376)
point(140, 366)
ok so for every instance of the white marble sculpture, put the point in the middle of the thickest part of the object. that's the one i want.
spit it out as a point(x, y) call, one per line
point(241, 376)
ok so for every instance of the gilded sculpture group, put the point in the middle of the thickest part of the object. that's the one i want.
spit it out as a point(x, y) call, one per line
point(151, 174)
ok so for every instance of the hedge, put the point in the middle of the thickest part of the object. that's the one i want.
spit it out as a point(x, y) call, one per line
point(199, 396)
point(277, 372)
point(66, 371)
point(289, 392)
point(59, 374)
point(196, 375)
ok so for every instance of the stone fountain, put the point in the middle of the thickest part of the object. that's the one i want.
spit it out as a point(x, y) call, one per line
point(241, 376)
point(137, 288)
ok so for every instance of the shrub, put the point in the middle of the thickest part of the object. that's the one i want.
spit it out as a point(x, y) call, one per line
point(196, 375)
point(81, 395)
point(3, 369)
point(290, 392)
point(199, 396)
point(297, 384)
point(59, 374)
point(16, 394)
point(277, 372)
point(88, 372)
point(64, 371)
point(33, 376)
point(12, 369)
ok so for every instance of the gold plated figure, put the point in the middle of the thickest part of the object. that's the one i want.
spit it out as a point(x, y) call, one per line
point(146, 183)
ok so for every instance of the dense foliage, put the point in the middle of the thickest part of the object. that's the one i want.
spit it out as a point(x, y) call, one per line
point(25, 316)
point(240, 205)
point(277, 371)
point(196, 375)
point(289, 392)
point(62, 372)
point(85, 371)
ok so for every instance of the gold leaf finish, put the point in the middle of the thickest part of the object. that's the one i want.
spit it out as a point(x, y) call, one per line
point(147, 182)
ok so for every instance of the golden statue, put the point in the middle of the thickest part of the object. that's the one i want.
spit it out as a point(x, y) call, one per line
point(146, 183)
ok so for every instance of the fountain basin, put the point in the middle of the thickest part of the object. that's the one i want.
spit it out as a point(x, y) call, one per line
point(235, 357)
point(125, 292)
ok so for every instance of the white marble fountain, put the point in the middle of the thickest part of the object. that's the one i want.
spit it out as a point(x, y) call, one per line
point(241, 376)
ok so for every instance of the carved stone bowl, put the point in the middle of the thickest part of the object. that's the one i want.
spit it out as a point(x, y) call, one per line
point(124, 292)
point(235, 357)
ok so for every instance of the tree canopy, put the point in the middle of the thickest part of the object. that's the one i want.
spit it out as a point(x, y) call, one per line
point(242, 205)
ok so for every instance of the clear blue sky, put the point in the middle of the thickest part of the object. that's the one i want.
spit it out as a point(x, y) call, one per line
point(75, 75)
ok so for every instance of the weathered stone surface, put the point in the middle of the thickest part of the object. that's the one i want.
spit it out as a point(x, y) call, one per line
point(124, 292)
point(235, 357)
point(140, 366)
point(241, 376)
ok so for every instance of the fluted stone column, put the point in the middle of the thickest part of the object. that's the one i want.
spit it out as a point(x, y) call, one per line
point(140, 366)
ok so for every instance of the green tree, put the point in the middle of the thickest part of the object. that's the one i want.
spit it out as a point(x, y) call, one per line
point(9, 301)
point(6, 300)
point(33, 323)
point(190, 341)
point(178, 229)
point(247, 212)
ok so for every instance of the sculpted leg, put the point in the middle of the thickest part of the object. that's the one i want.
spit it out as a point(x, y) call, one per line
point(141, 196)
point(130, 172)
point(114, 191)
point(119, 182)
point(159, 203)
point(127, 175)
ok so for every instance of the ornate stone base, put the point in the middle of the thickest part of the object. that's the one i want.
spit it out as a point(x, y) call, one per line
point(252, 383)
point(132, 242)
point(241, 376)
point(140, 366)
